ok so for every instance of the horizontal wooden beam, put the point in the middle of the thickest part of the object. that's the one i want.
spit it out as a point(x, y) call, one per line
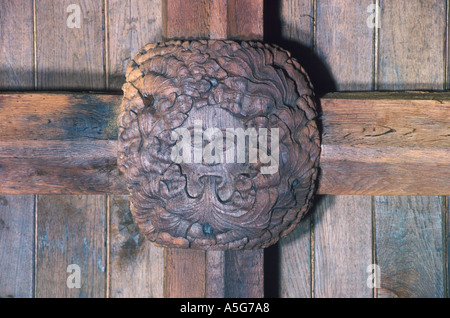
point(372, 143)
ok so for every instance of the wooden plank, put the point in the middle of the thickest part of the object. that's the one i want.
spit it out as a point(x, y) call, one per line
point(394, 119)
point(447, 240)
point(344, 44)
point(131, 24)
point(71, 230)
point(410, 250)
point(411, 57)
point(16, 246)
point(218, 19)
point(16, 212)
point(296, 33)
point(185, 273)
point(245, 19)
point(342, 246)
point(342, 224)
point(244, 274)
point(411, 49)
point(136, 265)
point(60, 167)
point(365, 150)
point(186, 19)
point(215, 274)
point(295, 262)
point(70, 57)
point(16, 55)
point(58, 116)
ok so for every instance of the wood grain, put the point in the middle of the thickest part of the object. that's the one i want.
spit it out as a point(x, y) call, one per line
point(342, 237)
point(185, 273)
point(131, 25)
point(410, 250)
point(71, 230)
point(136, 265)
point(70, 58)
point(342, 246)
point(17, 246)
point(244, 274)
point(409, 229)
point(365, 149)
point(295, 262)
point(17, 69)
point(412, 35)
point(218, 19)
point(58, 116)
point(295, 276)
point(16, 212)
point(344, 43)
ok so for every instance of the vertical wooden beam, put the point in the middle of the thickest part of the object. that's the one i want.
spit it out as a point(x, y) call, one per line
point(191, 273)
point(342, 232)
point(412, 50)
point(217, 19)
point(16, 246)
point(16, 212)
point(185, 273)
point(136, 266)
point(70, 229)
point(296, 30)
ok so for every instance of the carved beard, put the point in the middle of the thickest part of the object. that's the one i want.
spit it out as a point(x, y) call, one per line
point(226, 85)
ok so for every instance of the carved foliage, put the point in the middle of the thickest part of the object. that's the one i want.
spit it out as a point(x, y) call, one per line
point(225, 84)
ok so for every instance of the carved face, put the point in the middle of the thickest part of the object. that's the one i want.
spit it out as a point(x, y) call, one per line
point(243, 114)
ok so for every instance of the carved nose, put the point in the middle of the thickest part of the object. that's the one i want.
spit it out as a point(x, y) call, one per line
point(210, 185)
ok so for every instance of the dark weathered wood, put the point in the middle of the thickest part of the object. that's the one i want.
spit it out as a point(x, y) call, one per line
point(17, 246)
point(136, 265)
point(58, 116)
point(409, 242)
point(365, 150)
point(409, 229)
point(244, 274)
point(16, 212)
point(71, 230)
point(59, 167)
point(70, 58)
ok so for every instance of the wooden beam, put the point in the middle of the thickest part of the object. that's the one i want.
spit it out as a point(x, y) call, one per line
point(204, 273)
point(372, 143)
point(213, 19)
